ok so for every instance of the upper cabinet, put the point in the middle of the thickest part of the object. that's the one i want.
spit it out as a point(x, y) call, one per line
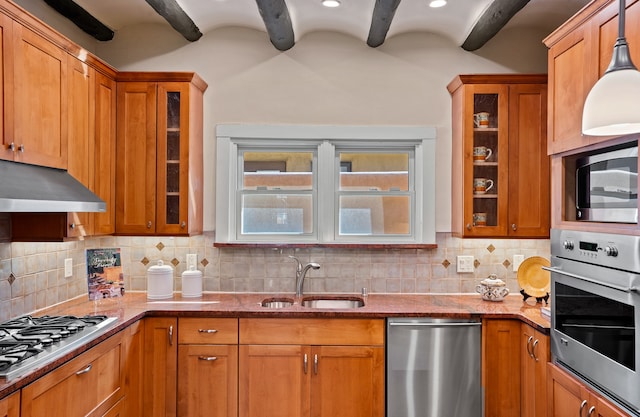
point(579, 54)
point(38, 101)
point(500, 178)
point(159, 154)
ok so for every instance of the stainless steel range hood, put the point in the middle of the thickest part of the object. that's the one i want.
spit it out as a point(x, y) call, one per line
point(31, 188)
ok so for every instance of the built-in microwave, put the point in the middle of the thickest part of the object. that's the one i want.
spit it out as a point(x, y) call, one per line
point(607, 185)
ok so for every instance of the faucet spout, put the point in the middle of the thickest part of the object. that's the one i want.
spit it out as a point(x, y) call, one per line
point(301, 273)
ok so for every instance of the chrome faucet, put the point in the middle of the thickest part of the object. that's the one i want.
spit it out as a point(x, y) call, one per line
point(301, 272)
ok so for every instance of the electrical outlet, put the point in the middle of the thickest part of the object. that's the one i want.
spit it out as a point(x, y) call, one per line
point(68, 267)
point(192, 260)
point(517, 260)
point(465, 263)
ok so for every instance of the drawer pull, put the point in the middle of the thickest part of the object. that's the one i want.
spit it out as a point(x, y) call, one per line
point(207, 358)
point(170, 335)
point(315, 364)
point(207, 331)
point(84, 371)
point(306, 363)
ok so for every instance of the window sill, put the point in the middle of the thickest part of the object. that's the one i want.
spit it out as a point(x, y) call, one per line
point(328, 245)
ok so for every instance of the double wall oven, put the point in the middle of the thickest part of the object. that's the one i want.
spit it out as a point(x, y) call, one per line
point(595, 311)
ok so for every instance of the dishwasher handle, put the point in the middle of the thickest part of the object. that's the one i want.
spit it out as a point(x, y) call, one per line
point(434, 324)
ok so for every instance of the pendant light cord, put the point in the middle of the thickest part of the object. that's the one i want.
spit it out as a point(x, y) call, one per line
point(621, 59)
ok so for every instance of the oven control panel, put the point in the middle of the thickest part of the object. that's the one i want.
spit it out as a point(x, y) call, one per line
point(616, 251)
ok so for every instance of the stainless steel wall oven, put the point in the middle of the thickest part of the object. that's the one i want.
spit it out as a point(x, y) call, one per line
point(595, 311)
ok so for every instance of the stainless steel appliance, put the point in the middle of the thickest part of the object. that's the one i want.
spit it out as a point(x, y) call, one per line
point(607, 185)
point(27, 342)
point(433, 368)
point(595, 311)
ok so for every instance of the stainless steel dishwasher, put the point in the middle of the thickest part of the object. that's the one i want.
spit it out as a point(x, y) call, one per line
point(433, 368)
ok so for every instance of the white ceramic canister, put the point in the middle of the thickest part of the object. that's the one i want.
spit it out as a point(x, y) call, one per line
point(192, 282)
point(159, 281)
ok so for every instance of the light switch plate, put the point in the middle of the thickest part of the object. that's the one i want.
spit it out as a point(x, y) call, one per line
point(465, 263)
point(68, 267)
point(192, 260)
point(517, 260)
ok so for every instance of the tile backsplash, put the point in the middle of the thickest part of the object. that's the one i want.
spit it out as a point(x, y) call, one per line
point(32, 274)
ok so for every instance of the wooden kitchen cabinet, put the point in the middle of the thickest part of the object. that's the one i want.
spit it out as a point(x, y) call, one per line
point(516, 200)
point(311, 367)
point(568, 397)
point(39, 100)
point(208, 367)
point(134, 338)
point(97, 375)
point(160, 367)
point(579, 54)
point(534, 355)
point(159, 154)
point(10, 406)
point(501, 372)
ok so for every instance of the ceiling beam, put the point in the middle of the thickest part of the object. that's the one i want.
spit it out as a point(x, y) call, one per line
point(278, 23)
point(177, 18)
point(383, 13)
point(491, 22)
point(81, 18)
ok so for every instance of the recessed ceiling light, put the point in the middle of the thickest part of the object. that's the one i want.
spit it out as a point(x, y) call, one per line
point(331, 3)
point(437, 3)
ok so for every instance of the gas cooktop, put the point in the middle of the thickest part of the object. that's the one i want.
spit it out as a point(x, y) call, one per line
point(28, 342)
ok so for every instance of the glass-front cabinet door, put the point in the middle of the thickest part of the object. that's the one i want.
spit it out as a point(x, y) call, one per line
point(485, 148)
point(172, 158)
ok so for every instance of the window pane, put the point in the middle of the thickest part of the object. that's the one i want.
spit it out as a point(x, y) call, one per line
point(277, 171)
point(374, 171)
point(277, 214)
point(374, 215)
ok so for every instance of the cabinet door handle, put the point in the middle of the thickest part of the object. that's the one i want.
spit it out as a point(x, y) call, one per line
point(514, 227)
point(11, 147)
point(468, 226)
point(149, 224)
point(529, 346)
point(315, 364)
point(170, 335)
point(533, 350)
point(207, 331)
point(591, 410)
point(84, 371)
point(582, 406)
point(183, 224)
point(207, 358)
point(72, 226)
point(306, 364)
point(21, 148)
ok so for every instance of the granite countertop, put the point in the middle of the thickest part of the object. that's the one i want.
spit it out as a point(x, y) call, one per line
point(134, 306)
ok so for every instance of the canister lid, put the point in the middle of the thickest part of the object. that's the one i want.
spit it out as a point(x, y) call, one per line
point(192, 272)
point(160, 268)
point(493, 281)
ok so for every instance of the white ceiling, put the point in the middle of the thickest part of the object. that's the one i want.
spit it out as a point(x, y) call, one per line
point(455, 20)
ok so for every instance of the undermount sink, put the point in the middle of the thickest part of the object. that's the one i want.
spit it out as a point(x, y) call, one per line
point(334, 302)
point(277, 302)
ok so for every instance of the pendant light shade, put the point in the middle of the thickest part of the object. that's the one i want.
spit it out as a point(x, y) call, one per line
point(613, 104)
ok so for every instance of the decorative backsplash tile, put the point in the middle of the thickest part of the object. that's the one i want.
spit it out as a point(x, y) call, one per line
point(32, 274)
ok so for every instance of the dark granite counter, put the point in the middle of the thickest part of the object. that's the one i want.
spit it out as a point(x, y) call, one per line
point(134, 306)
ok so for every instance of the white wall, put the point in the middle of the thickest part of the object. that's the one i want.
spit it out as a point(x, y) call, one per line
point(326, 78)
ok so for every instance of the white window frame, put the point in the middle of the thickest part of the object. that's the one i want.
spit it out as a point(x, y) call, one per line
point(326, 139)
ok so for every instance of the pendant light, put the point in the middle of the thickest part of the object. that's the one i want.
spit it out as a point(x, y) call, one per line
point(613, 104)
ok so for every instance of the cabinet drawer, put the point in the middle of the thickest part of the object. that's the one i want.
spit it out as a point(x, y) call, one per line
point(283, 331)
point(209, 331)
point(88, 385)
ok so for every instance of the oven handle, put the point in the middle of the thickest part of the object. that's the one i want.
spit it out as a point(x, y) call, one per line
point(593, 281)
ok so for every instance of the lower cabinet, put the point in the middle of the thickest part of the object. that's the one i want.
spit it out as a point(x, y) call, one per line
point(514, 369)
point(208, 367)
point(160, 367)
point(311, 367)
point(97, 375)
point(534, 354)
point(10, 406)
point(568, 397)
